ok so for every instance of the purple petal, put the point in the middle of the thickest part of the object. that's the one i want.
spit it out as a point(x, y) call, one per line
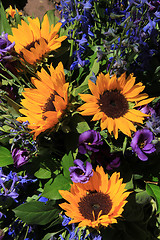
point(141, 155)
point(147, 147)
point(88, 168)
point(81, 149)
point(80, 164)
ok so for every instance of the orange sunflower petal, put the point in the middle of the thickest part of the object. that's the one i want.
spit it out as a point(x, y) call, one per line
point(41, 113)
point(98, 190)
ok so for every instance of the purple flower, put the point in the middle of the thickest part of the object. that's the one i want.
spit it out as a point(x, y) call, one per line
point(5, 47)
point(80, 173)
point(147, 109)
point(20, 157)
point(142, 143)
point(11, 192)
point(89, 140)
point(79, 62)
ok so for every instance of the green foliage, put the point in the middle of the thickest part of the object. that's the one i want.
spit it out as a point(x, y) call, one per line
point(36, 212)
point(4, 24)
point(154, 191)
point(43, 173)
point(5, 157)
point(61, 181)
point(79, 123)
point(67, 161)
point(52, 18)
point(51, 189)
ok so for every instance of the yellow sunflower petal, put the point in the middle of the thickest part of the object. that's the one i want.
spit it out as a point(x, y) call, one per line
point(88, 97)
point(45, 27)
point(129, 85)
point(87, 202)
point(54, 30)
point(111, 103)
point(93, 88)
point(132, 117)
point(122, 124)
point(41, 113)
point(134, 91)
point(144, 102)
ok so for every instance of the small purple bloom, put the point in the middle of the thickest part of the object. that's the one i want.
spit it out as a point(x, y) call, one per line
point(5, 47)
point(66, 220)
point(80, 173)
point(89, 140)
point(20, 157)
point(147, 110)
point(142, 143)
point(43, 199)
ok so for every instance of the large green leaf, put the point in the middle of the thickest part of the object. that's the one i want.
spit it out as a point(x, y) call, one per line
point(67, 161)
point(4, 24)
point(51, 190)
point(5, 157)
point(154, 191)
point(36, 213)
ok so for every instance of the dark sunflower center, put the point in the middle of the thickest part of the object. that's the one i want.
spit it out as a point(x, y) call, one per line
point(113, 104)
point(49, 106)
point(32, 44)
point(95, 202)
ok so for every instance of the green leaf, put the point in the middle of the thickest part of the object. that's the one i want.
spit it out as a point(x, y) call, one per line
point(51, 190)
point(79, 123)
point(95, 69)
point(79, 89)
point(124, 144)
point(36, 213)
point(67, 161)
point(43, 173)
point(52, 18)
point(143, 197)
point(84, 85)
point(154, 191)
point(18, 19)
point(5, 157)
point(4, 24)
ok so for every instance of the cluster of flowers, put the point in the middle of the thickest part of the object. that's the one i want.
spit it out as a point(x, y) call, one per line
point(74, 131)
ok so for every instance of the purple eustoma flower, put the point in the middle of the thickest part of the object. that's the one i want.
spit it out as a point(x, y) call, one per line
point(80, 173)
point(5, 47)
point(147, 110)
point(142, 143)
point(20, 157)
point(89, 140)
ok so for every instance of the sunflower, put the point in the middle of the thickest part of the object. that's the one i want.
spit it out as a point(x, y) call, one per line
point(114, 101)
point(98, 202)
point(45, 104)
point(34, 41)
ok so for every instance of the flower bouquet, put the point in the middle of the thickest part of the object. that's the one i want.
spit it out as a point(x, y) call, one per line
point(80, 122)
